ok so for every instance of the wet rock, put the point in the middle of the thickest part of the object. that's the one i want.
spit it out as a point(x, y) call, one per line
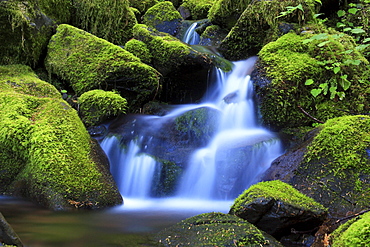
point(163, 17)
point(331, 166)
point(7, 234)
point(214, 229)
point(276, 207)
point(231, 98)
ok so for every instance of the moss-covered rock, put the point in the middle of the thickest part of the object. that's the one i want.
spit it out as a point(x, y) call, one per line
point(139, 49)
point(198, 9)
point(334, 169)
point(59, 10)
point(163, 17)
point(88, 62)
point(143, 5)
point(110, 20)
point(275, 207)
point(355, 232)
point(97, 106)
point(225, 13)
point(46, 153)
point(262, 22)
point(214, 229)
point(185, 69)
point(25, 32)
point(212, 36)
point(329, 59)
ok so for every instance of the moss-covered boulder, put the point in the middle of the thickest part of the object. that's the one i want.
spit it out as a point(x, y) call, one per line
point(87, 62)
point(97, 106)
point(25, 32)
point(225, 13)
point(321, 73)
point(185, 69)
point(46, 153)
point(198, 9)
point(110, 20)
point(334, 166)
point(275, 207)
point(212, 36)
point(214, 229)
point(262, 22)
point(60, 11)
point(355, 232)
point(142, 5)
point(139, 49)
point(163, 17)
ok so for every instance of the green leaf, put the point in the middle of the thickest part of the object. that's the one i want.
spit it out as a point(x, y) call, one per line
point(347, 29)
point(341, 13)
point(318, 1)
point(316, 92)
point(300, 7)
point(358, 30)
point(340, 24)
point(336, 70)
point(352, 11)
point(366, 40)
point(323, 43)
point(309, 82)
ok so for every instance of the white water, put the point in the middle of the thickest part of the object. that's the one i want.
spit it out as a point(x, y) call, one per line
point(240, 151)
point(191, 37)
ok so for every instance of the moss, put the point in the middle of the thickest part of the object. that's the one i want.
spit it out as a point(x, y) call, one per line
point(289, 62)
point(25, 33)
point(59, 10)
point(88, 62)
point(355, 232)
point(98, 105)
point(139, 49)
point(143, 5)
point(214, 229)
point(110, 20)
point(166, 179)
point(46, 134)
point(167, 52)
point(259, 24)
point(336, 165)
point(198, 9)
point(279, 191)
point(163, 17)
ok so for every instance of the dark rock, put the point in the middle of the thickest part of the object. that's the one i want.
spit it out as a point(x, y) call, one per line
point(7, 234)
point(214, 229)
point(276, 207)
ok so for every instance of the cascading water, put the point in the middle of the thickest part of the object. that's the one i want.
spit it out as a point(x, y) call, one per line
point(191, 37)
point(238, 152)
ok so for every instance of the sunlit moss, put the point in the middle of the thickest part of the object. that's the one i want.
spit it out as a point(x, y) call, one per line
point(51, 147)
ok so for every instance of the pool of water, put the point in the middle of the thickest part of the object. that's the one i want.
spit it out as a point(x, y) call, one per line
point(133, 224)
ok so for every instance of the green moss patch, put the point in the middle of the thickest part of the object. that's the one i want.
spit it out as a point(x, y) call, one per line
point(163, 17)
point(198, 8)
point(335, 170)
point(139, 49)
point(279, 191)
point(214, 229)
point(260, 24)
point(293, 59)
point(52, 163)
point(88, 62)
point(355, 232)
point(98, 105)
point(25, 32)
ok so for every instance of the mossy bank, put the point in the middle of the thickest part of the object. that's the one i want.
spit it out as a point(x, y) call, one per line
point(46, 153)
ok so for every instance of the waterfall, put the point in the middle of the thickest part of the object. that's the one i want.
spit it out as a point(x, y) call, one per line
point(238, 152)
point(191, 37)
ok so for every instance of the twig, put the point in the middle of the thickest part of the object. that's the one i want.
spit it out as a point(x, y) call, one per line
point(307, 114)
point(352, 216)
